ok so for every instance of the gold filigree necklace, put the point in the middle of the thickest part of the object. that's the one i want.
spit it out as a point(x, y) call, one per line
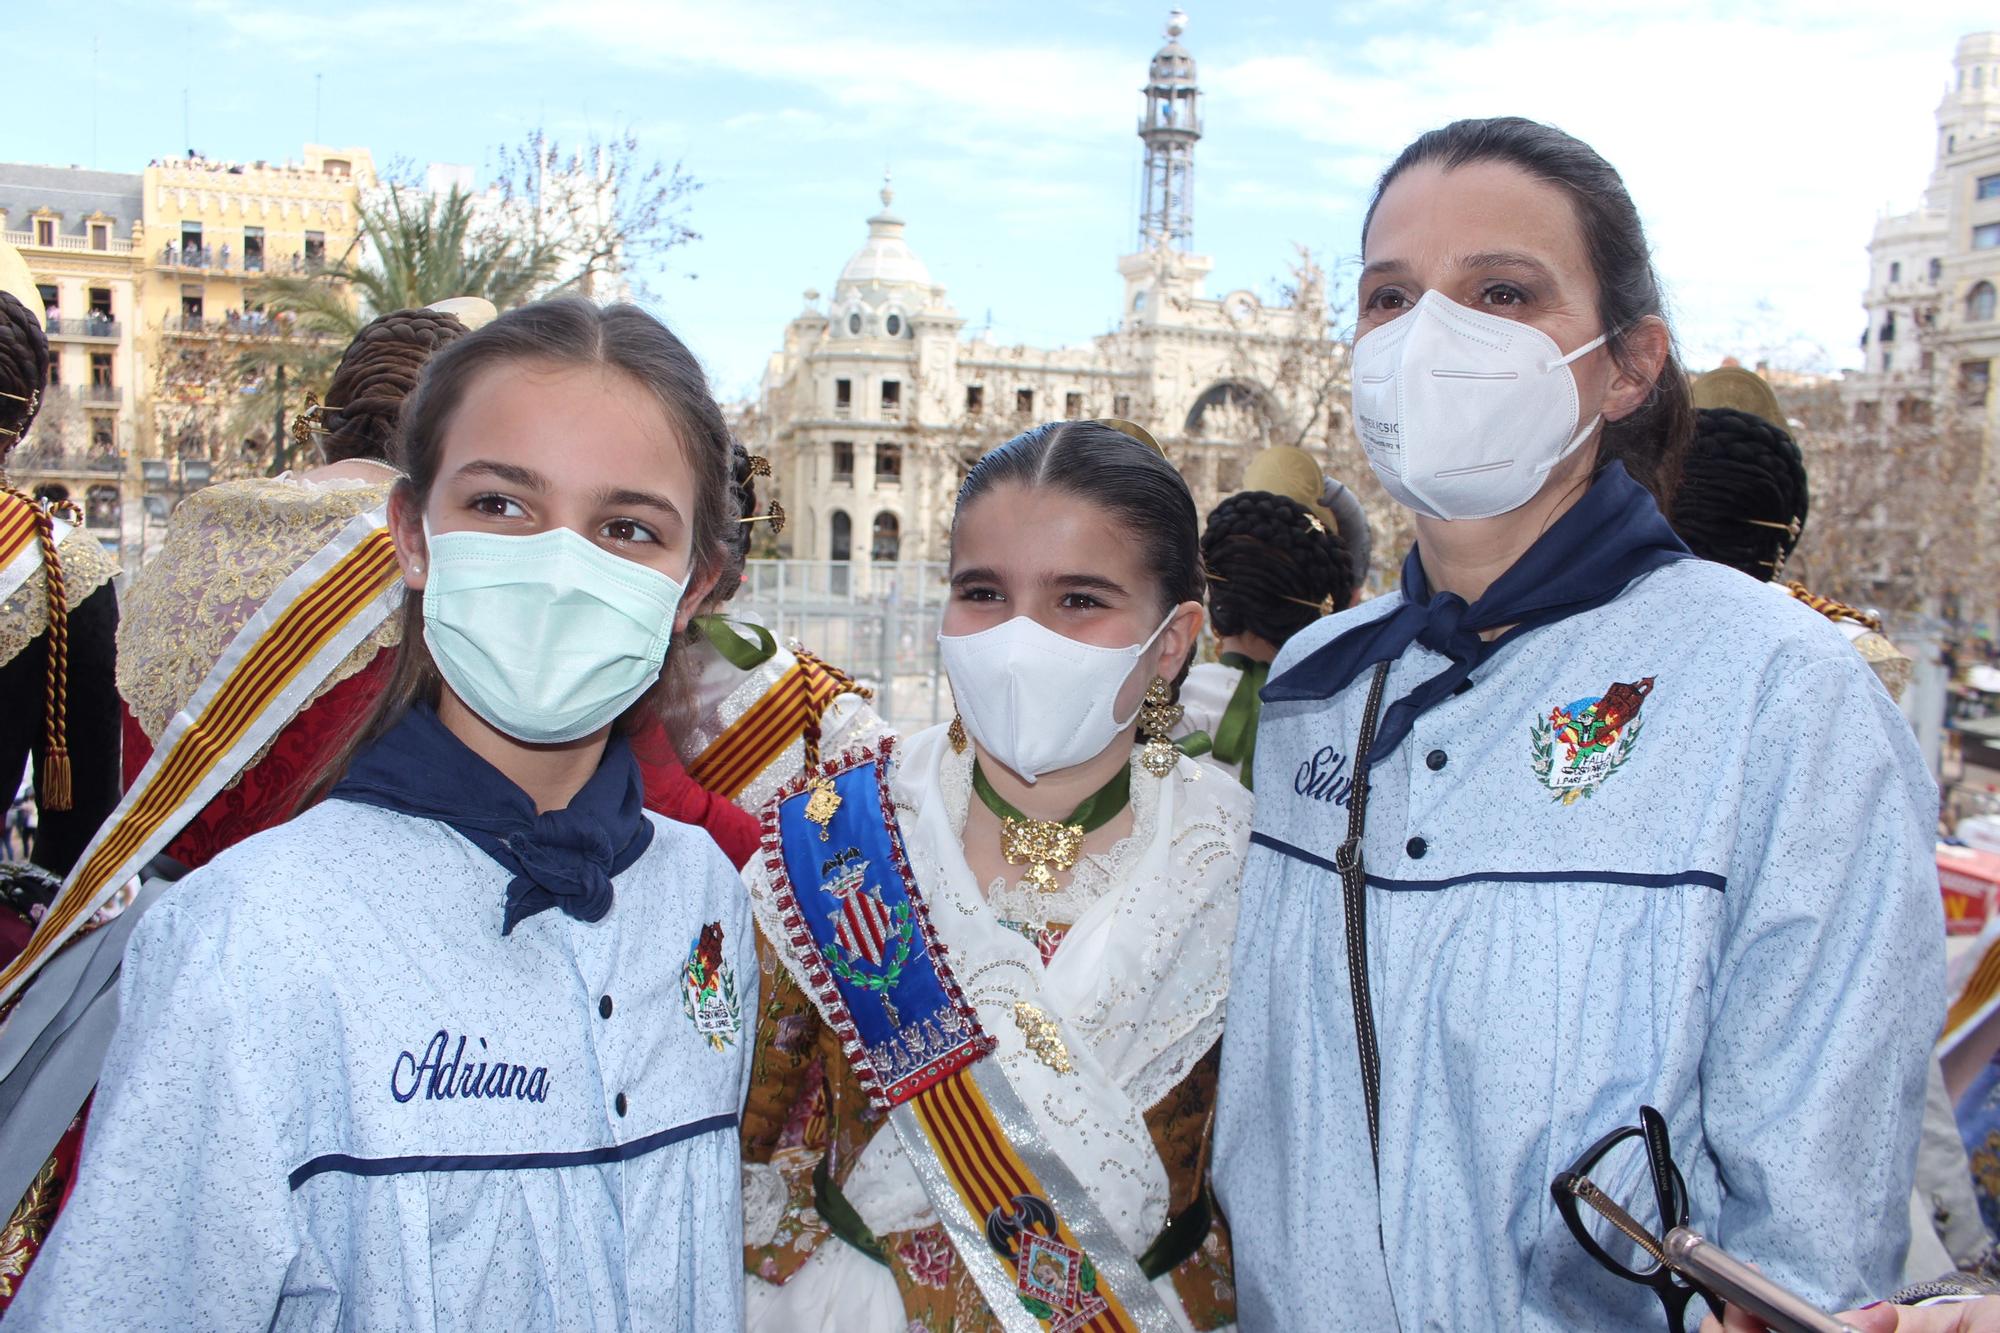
point(1046, 845)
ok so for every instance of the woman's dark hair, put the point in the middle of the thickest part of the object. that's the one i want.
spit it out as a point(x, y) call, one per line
point(24, 369)
point(375, 375)
point(1131, 482)
point(563, 332)
point(1650, 440)
point(1742, 498)
point(1273, 567)
point(736, 540)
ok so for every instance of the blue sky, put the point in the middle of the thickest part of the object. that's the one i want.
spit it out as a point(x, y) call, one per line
point(1761, 140)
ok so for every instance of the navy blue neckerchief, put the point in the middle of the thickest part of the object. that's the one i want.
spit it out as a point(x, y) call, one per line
point(1608, 538)
point(564, 858)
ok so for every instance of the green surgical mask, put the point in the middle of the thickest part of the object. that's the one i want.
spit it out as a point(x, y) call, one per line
point(548, 637)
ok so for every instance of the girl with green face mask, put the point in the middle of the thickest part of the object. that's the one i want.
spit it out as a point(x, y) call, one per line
point(360, 1048)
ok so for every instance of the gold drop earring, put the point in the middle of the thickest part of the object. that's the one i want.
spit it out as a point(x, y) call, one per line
point(956, 735)
point(1158, 716)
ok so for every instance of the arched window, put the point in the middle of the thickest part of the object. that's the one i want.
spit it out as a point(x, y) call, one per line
point(1979, 303)
point(888, 538)
point(841, 546)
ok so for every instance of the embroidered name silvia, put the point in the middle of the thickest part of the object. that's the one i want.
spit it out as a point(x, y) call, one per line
point(438, 1078)
point(1324, 777)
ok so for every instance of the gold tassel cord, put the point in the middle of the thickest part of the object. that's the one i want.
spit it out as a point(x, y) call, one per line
point(55, 791)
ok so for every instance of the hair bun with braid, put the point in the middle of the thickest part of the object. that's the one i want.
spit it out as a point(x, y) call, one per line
point(24, 369)
point(1742, 496)
point(1273, 566)
point(375, 375)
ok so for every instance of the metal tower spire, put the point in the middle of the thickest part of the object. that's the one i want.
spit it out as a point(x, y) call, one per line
point(1170, 127)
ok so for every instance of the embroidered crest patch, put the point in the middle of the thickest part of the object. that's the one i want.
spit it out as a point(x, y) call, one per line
point(1057, 1283)
point(1580, 744)
point(708, 989)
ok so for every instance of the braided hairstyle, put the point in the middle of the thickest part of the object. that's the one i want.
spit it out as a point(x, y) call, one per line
point(1742, 496)
point(1273, 566)
point(736, 539)
point(24, 369)
point(375, 375)
point(24, 373)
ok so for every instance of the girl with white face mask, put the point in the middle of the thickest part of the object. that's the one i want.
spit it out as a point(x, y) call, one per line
point(1573, 825)
point(1076, 876)
point(463, 1044)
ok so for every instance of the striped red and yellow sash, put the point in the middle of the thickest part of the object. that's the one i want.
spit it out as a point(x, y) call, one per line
point(753, 742)
point(313, 620)
point(20, 545)
point(989, 1175)
point(1980, 990)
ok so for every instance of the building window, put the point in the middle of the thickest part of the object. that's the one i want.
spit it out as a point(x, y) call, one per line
point(1868, 414)
point(892, 398)
point(1989, 187)
point(55, 368)
point(1913, 411)
point(1121, 407)
point(841, 547)
point(1937, 269)
point(1975, 381)
point(1888, 334)
point(45, 231)
point(1024, 402)
point(894, 325)
point(191, 307)
point(888, 464)
point(1986, 236)
point(975, 398)
point(315, 249)
point(1979, 303)
point(843, 397)
point(1072, 407)
point(100, 377)
point(843, 460)
point(100, 236)
point(1895, 271)
point(191, 244)
point(887, 540)
point(51, 299)
point(253, 249)
point(854, 322)
point(1927, 362)
point(102, 433)
point(1885, 363)
point(337, 166)
point(1138, 301)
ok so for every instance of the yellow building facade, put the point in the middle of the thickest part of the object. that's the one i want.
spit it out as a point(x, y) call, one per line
point(149, 279)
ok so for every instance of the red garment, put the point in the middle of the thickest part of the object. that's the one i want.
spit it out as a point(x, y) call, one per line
point(671, 792)
point(268, 792)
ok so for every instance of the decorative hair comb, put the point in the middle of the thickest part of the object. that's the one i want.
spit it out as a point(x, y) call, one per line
point(1135, 430)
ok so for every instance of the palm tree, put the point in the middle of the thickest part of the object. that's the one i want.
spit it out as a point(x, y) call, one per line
point(412, 248)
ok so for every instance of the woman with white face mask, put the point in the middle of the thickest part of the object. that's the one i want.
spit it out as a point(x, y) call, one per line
point(998, 953)
point(1573, 825)
point(463, 1044)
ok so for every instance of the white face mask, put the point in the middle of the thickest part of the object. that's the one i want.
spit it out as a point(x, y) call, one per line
point(1464, 414)
point(1036, 700)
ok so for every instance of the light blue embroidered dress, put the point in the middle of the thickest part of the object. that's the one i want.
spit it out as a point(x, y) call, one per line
point(1729, 911)
point(286, 1133)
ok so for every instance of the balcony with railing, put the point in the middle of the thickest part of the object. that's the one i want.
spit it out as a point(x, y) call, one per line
point(96, 328)
point(236, 324)
point(210, 259)
point(25, 240)
point(100, 395)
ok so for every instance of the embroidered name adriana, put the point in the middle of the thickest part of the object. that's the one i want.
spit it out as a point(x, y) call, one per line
point(441, 1079)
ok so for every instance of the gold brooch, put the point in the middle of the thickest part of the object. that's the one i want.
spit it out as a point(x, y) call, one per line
point(1044, 1036)
point(822, 805)
point(1043, 846)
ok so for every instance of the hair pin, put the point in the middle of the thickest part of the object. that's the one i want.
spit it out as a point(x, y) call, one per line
point(760, 466)
point(1791, 529)
point(305, 424)
point(775, 516)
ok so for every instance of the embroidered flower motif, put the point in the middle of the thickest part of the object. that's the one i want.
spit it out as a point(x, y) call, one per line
point(927, 1255)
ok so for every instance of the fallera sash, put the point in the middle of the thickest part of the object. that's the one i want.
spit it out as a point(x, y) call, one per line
point(20, 542)
point(268, 673)
point(1025, 1228)
point(768, 727)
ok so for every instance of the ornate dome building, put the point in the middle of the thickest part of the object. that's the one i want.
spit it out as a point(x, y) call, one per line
point(876, 404)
